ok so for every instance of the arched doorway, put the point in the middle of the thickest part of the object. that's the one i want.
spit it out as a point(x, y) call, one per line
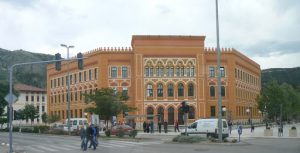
point(160, 112)
point(171, 116)
point(149, 113)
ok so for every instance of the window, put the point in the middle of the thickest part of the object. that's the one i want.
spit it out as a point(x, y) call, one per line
point(43, 98)
point(222, 91)
point(54, 83)
point(95, 73)
point(38, 108)
point(160, 90)
point(192, 71)
point(51, 84)
point(191, 90)
point(27, 98)
point(180, 90)
point(67, 80)
point(211, 72)
point(212, 91)
point(84, 75)
point(178, 71)
point(149, 90)
point(75, 78)
point(38, 98)
point(194, 125)
point(162, 71)
point(43, 108)
point(62, 81)
point(168, 71)
point(188, 71)
point(157, 71)
point(172, 71)
point(90, 74)
point(147, 71)
point(222, 71)
point(212, 111)
point(170, 90)
point(125, 93)
point(124, 72)
point(58, 81)
point(182, 71)
point(150, 112)
point(32, 98)
point(113, 72)
point(71, 78)
point(75, 95)
point(151, 71)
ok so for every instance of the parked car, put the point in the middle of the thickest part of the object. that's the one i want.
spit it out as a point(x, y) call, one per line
point(126, 128)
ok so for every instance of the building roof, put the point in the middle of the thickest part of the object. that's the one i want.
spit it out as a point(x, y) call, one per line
point(28, 88)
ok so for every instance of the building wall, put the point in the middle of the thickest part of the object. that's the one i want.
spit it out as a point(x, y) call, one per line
point(167, 54)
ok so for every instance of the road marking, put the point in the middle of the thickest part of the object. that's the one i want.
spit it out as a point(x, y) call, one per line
point(46, 148)
point(70, 146)
point(33, 149)
point(62, 148)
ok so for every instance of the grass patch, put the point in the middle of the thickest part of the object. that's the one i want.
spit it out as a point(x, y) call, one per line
point(188, 139)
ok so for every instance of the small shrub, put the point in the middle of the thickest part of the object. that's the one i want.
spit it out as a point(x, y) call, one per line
point(268, 128)
point(234, 140)
point(27, 129)
point(16, 129)
point(293, 128)
point(133, 133)
point(44, 128)
point(120, 133)
point(188, 139)
point(108, 132)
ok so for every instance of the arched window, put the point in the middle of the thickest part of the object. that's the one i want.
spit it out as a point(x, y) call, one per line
point(149, 90)
point(192, 112)
point(170, 90)
point(150, 113)
point(160, 91)
point(180, 90)
point(160, 112)
point(171, 116)
point(222, 91)
point(191, 90)
point(212, 91)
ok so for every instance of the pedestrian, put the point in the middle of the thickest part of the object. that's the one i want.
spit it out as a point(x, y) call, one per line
point(147, 126)
point(144, 126)
point(176, 127)
point(152, 126)
point(159, 127)
point(93, 135)
point(252, 128)
point(83, 137)
point(166, 126)
point(88, 136)
point(230, 126)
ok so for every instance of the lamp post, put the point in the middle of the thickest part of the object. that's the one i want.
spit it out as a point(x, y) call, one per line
point(224, 111)
point(250, 118)
point(68, 88)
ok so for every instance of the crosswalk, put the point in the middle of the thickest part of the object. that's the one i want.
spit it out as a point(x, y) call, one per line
point(108, 144)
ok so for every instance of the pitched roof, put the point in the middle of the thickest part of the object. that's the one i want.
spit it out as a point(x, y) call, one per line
point(24, 87)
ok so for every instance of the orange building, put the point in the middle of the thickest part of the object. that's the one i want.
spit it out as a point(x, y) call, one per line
point(158, 73)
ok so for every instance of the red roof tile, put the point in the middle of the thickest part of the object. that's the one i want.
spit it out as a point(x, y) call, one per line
point(24, 87)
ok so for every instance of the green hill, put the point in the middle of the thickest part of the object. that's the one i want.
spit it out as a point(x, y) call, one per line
point(28, 74)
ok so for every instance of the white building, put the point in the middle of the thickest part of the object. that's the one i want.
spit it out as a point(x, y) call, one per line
point(30, 95)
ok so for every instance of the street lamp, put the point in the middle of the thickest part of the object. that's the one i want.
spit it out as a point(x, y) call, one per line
point(68, 88)
point(224, 111)
point(85, 114)
point(250, 118)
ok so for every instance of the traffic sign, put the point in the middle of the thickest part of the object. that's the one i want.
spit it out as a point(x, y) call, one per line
point(14, 98)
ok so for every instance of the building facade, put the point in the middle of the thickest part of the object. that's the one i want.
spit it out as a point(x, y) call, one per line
point(30, 95)
point(158, 73)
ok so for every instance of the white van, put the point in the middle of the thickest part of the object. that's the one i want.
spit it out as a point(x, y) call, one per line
point(77, 122)
point(209, 127)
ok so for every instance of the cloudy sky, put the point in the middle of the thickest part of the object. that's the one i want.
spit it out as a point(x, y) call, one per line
point(268, 31)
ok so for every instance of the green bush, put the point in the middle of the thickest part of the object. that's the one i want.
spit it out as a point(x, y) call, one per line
point(293, 128)
point(44, 128)
point(120, 133)
point(133, 133)
point(27, 129)
point(16, 129)
point(108, 132)
point(188, 139)
point(234, 140)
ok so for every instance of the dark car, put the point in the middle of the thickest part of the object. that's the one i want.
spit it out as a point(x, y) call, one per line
point(126, 128)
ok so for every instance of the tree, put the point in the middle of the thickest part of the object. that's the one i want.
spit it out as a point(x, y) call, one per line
point(30, 112)
point(44, 117)
point(53, 118)
point(273, 96)
point(107, 103)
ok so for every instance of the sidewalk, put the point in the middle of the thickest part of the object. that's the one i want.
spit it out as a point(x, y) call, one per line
point(259, 132)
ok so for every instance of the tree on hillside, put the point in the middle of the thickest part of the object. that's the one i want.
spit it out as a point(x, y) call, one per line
point(30, 112)
point(107, 103)
point(273, 96)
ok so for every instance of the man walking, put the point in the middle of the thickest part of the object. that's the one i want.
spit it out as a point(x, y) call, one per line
point(83, 137)
point(176, 126)
point(93, 137)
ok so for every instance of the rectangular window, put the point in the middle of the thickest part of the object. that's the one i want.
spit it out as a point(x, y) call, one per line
point(147, 71)
point(211, 72)
point(54, 83)
point(26, 98)
point(62, 81)
point(71, 78)
point(84, 75)
point(182, 71)
point(58, 81)
point(80, 113)
point(90, 74)
point(32, 98)
point(162, 71)
point(157, 71)
point(38, 108)
point(151, 71)
point(43, 98)
point(51, 84)
point(80, 77)
point(222, 71)
point(67, 80)
point(172, 71)
point(212, 111)
point(192, 71)
point(188, 71)
point(38, 98)
point(178, 71)
point(168, 71)
point(95, 74)
point(124, 72)
point(43, 108)
point(113, 72)
point(75, 78)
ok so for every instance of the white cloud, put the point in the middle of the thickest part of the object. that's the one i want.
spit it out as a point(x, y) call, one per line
point(256, 28)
